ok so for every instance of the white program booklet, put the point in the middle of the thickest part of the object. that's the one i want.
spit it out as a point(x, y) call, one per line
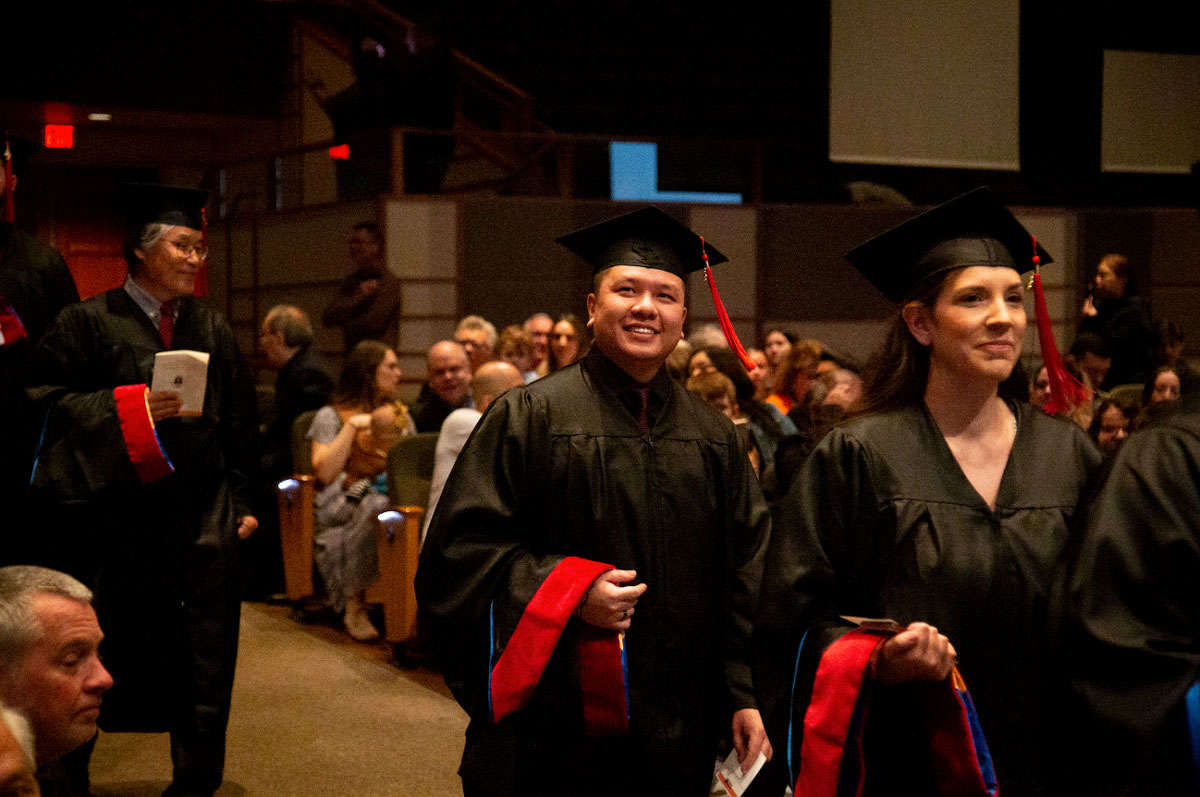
point(729, 779)
point(185, 372)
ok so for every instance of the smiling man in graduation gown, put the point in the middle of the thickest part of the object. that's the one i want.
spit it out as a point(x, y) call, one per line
point(593, 565)
point(142, 504)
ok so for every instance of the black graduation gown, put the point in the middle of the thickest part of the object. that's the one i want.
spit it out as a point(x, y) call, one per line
point(559, 468)
point(36, 282)
point(160, 556)
point(882, 522)
point(1128, 623)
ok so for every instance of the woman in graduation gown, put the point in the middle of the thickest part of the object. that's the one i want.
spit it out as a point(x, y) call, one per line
point(142, 504)
point(943, 506)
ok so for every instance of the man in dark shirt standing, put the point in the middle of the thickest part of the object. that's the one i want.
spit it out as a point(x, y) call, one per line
point(592, 567)
point(368, 304)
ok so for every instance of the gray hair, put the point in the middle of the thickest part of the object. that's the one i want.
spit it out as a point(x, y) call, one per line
point(148, 236)
point(479, 322)
point(291, 322)
point(19, 585)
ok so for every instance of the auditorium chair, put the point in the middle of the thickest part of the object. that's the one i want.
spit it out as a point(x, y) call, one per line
point(410, 469)
point(295, 496)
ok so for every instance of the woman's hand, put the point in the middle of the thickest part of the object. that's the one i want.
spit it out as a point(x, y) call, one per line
point(164, 404)
point(360, 422)
point(918, 653)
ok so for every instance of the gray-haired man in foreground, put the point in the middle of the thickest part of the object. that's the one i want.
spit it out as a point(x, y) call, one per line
point(50, 668)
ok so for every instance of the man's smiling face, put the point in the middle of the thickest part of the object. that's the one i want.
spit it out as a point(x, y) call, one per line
point(637, 315)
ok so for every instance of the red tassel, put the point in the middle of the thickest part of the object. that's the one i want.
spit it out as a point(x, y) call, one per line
point(9, 212)
point(722, 315)
point(1066, 393)
point(202, 272)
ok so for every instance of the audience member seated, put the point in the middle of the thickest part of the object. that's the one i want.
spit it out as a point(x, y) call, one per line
point(489, 382)
point(798, 369)
point(568, 341)
point(368, 304)
point(478, 336)
point(1091, 355)
point(351, 438)
point(707, 336)
point(1039, 393)
point(776, 346)
point(538, 326)
point(50, 669)
point(1111, 425)
point(767, 424)
point(1169, 351)
point(302, 384)
point(1121, 318)
point(16, 755)
point(448, 388)
point(761, 375)
point(677, 361)
point(1164, 384)
point(516, 349)
point(716, 390)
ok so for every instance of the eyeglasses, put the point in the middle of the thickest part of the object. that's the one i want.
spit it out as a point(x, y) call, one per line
point(187, 250)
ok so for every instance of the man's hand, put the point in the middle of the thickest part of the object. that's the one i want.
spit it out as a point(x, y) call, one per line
point(609, 605)
point(1089, 307)
point(918, 653)
point(164, 404)
point(750, 737)
point(246, 526)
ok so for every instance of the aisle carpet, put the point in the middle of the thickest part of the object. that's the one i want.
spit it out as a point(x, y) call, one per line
point(313, 714)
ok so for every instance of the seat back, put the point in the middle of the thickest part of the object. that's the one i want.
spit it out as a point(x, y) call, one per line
point(410, 469)
point(295, 497)
point(301, 445)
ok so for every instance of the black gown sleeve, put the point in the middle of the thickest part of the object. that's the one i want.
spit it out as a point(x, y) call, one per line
point(1129, 634)
point(482, 545)
point(823, 532)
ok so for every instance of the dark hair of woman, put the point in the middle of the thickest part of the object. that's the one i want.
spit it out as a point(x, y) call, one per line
point(1152, 380)
point(1166, 334)
point(792, 337)
point(582, 338)
point(356, 385)
point(803, 358)
point(896, 373)
point(1128, 409)
point(727, 363)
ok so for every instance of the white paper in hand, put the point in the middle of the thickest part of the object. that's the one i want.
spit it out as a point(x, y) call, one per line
point(185, 372)
point(730, 776)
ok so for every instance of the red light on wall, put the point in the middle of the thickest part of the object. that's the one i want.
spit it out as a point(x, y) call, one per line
point(341, 152)
point(60, 137)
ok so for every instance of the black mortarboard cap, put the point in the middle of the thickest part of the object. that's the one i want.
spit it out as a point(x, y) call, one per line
point(163, 204)
point(970, 230)
point(648, 238)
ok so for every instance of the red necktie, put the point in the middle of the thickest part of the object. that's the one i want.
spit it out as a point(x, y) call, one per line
point(166, 322)
point(643, 416)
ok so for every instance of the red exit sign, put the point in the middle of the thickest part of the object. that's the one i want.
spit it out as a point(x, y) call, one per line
point(59, 137)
